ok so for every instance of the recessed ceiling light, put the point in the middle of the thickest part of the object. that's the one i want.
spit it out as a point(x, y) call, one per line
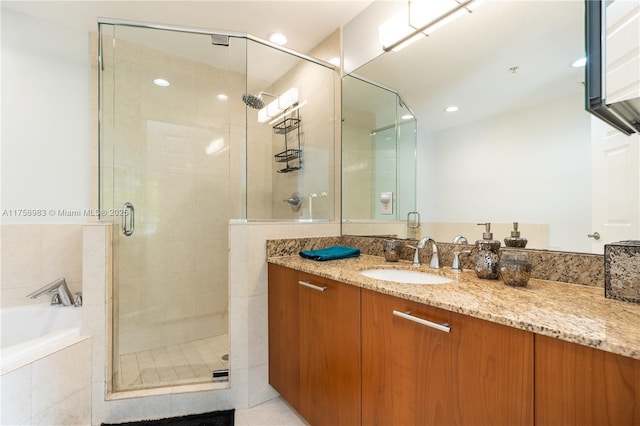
point(580, 62)
point(406, 117)
point(452, 108)
point(277, 38)
point(222, 97)
point(161, 82)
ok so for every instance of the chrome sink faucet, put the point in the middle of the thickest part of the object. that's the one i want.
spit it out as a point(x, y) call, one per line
point(61, 293)
point(435, 260)
point(456, 266)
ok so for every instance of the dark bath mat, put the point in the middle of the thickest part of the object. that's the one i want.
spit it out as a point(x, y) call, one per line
point(214, 418)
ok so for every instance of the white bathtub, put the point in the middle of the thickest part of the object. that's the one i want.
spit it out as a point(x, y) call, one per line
point(33, 331)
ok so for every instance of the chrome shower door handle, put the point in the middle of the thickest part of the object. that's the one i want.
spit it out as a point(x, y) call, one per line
point(128, 210)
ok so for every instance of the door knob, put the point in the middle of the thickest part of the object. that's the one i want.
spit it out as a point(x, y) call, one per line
point(595, 235)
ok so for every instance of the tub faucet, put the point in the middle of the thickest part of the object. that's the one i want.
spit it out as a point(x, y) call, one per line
point(62, 295)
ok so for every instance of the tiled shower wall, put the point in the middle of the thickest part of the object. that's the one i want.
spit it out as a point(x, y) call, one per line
point(315, 181)
point(179, 160)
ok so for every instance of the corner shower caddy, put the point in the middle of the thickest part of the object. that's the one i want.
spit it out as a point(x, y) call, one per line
point(286, 127)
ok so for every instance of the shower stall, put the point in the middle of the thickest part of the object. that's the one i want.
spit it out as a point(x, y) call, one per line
point(198, 128)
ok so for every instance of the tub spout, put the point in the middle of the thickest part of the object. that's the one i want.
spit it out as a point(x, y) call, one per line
point(59, 287)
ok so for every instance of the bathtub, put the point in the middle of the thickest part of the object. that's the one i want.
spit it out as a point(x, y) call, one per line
point(33, 331)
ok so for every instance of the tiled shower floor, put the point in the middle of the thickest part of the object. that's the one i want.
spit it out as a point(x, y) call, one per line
point(185, 363)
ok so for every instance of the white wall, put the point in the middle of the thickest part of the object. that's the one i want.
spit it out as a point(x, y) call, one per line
point(45, 120)
point(475, 167)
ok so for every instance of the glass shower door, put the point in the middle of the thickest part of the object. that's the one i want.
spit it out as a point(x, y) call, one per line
point(169, 159)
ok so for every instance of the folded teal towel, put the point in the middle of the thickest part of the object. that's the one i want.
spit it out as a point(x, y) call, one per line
point(331, 253)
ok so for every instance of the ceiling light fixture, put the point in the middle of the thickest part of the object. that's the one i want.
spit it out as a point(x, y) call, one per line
point(161, 82)
point(435, 14)
point(222, 97)
point(277, 38)
point(452, 108)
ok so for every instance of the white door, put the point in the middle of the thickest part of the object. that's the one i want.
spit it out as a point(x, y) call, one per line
point(623, 50)
point(615, 187)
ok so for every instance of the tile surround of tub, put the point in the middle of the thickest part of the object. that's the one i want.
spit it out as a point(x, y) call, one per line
point(575, 268)
point(53, 390)
point(35, 255)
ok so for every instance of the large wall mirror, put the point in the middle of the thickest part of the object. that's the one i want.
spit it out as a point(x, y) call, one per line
point(521, 147)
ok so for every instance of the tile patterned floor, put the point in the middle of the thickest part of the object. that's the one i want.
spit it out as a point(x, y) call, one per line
point(186, 363)
point(275, 412)
point(191, 363)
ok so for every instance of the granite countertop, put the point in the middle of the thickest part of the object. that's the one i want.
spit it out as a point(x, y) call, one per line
point(570, 312)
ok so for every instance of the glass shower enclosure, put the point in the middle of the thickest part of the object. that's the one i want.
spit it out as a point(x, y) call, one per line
point(198, 128)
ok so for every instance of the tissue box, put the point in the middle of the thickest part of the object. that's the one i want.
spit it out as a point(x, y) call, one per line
point(622, 271)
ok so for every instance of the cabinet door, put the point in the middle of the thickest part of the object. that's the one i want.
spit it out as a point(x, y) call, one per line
point(492, 371)
point(329, 352)
point(578, 385)
point(414, 374)
point(404, 364)
point(284, 358)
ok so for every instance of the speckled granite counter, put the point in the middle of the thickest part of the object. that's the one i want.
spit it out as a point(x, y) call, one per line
point(574, 313)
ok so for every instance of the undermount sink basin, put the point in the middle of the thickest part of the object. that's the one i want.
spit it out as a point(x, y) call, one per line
point(405, 276)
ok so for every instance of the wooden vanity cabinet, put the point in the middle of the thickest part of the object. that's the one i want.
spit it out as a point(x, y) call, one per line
point(340, 356)
point(478, 373)
point(314, 345)
point(284, 333)
point(579, 385)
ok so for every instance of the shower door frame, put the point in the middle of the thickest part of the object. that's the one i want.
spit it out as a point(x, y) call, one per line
point(111, 392)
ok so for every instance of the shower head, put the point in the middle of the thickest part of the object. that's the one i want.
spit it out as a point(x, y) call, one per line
point(254, 101)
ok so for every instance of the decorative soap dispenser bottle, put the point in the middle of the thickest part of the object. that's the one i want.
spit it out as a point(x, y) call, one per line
point(515, 240)
point(487, 257)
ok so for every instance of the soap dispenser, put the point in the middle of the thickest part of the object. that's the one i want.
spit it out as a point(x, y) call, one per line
point(487, 256)
point(515, 240)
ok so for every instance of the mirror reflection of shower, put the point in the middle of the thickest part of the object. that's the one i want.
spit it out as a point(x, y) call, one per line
point(313, 195)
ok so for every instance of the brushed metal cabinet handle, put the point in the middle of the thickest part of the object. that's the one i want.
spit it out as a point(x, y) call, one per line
point(407, 315)
point(315, 287)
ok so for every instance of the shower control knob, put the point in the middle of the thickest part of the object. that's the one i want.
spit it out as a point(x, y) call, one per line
point(595, 235)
